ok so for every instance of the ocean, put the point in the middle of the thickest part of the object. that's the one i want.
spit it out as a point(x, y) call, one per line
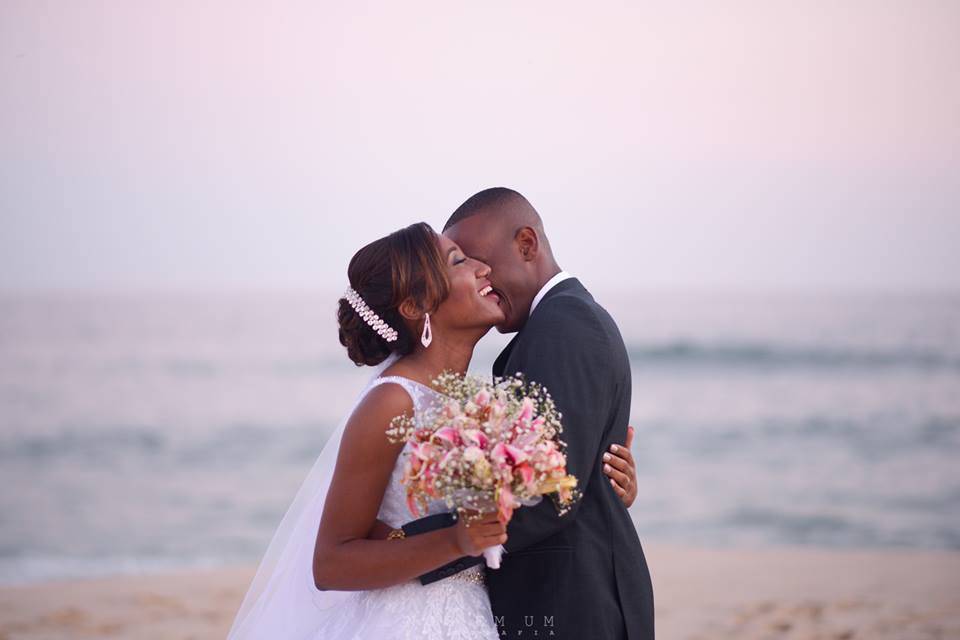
point(141, 432)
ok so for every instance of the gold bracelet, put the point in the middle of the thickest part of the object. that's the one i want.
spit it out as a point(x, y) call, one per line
point(396, 534)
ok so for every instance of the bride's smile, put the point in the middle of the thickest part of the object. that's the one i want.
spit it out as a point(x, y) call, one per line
point(472, 303)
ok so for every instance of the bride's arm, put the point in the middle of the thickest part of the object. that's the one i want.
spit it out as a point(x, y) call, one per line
point(379, 531)
point(344, 558)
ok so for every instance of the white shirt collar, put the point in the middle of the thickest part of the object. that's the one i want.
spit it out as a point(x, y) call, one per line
point(551, 283)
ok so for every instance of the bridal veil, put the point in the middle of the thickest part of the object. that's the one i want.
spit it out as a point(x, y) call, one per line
point(283, 601)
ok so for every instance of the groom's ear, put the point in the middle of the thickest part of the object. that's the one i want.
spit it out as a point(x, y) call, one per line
point(528, 243)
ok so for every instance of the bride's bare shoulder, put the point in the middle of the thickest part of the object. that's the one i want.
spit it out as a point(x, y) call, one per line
point(379, 406)
point(401, 369)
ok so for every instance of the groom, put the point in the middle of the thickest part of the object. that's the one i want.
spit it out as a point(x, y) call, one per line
point(582, 575)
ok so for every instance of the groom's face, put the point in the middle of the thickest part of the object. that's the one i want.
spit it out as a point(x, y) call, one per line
point(482, 238)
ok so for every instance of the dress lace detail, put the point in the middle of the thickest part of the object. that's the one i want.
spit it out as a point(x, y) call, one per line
point(448, 609)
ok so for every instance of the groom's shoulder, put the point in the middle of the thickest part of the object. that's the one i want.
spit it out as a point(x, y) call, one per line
point(573, 312)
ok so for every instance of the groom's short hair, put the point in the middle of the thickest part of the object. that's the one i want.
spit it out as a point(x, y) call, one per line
point(492, 197)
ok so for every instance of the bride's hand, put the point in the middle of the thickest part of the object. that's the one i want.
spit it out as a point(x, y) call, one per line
point(474, 534)
point(621, 468)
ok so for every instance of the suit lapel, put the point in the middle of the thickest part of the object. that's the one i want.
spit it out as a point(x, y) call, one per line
point(570, 284)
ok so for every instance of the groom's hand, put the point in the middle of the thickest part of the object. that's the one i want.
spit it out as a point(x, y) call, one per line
point(618, 464)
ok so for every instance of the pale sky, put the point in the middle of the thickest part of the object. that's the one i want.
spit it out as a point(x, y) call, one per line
point(197, 145)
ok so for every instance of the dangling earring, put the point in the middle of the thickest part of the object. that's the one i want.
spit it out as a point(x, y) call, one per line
point(427, 336)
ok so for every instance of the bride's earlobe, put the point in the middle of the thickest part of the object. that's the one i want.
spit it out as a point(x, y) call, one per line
point(427, 336)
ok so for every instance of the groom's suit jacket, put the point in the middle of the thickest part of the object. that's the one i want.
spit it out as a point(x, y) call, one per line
point(582, 575)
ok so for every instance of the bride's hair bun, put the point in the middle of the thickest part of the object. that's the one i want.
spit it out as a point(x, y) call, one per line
point(405, 264)
point(363, 346)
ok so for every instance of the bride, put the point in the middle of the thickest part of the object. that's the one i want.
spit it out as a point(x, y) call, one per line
point(416, 306)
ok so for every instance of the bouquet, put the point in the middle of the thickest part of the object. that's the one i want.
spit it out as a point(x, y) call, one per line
point(491, 446)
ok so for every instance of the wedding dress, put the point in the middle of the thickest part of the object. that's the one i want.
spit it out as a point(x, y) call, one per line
point(283, 602)
point(455, 608)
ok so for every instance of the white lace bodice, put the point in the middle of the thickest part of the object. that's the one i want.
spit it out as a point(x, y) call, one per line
point(455, 608)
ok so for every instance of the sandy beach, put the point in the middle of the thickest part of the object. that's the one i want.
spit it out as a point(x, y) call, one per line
point(701, 595)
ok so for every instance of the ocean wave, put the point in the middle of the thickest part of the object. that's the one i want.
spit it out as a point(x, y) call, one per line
point(760, 355)
point(105, 444)
point(30, 568)
point(875, 438)
point(115, 440)
point(835, 530)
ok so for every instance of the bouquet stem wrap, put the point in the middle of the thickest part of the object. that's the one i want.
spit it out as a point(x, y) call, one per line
point(493, 555)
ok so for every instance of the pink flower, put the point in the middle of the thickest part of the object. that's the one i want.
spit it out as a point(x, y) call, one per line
point(412, 466)
point(526, 475)
point(507, 453)
point(506, 504)
point(448, 456)
point(526, 410)
point(472, 454)
point(526, 440)
point(427, 482)
point(475, 437)
point(482, 398)
point(412, 505)
point(422, 450)
point(448, 434)
point(516, 454)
